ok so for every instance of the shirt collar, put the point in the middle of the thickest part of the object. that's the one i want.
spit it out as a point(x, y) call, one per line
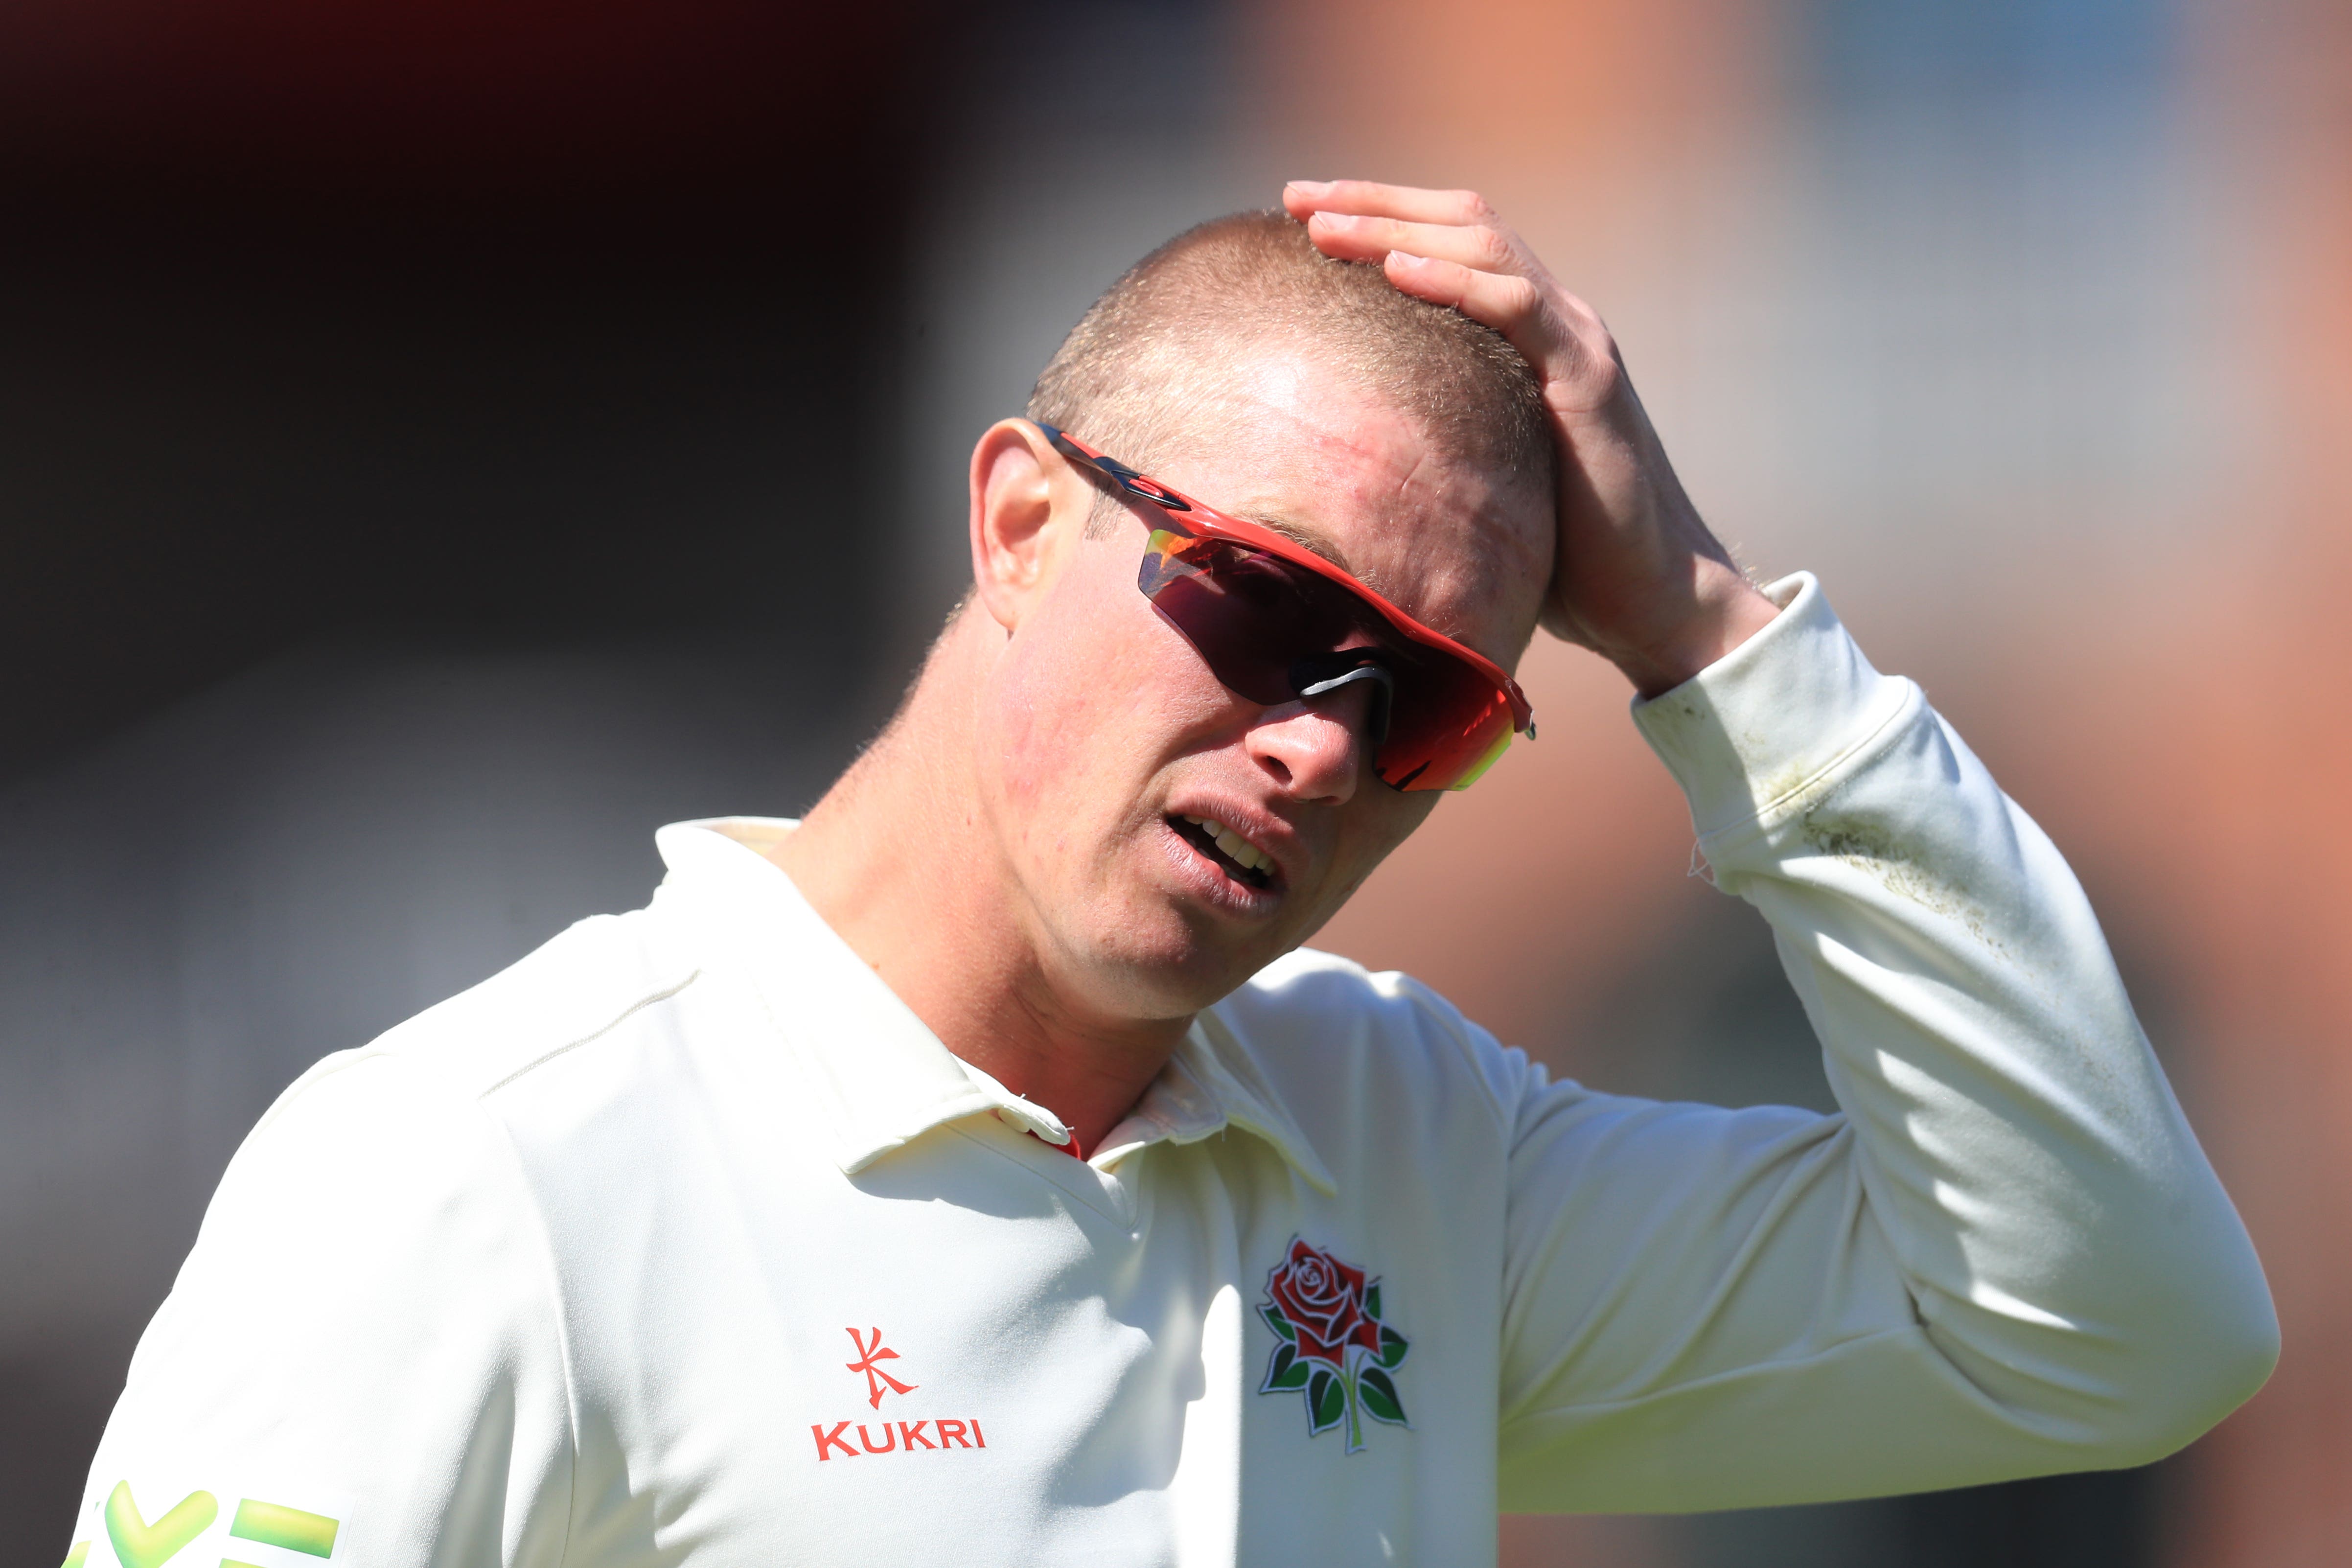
point(878, 1075)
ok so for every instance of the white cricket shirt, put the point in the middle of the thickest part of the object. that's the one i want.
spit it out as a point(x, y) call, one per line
point(683, 1241)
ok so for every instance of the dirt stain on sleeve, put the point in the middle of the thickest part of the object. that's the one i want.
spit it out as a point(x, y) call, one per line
point(1894, 865)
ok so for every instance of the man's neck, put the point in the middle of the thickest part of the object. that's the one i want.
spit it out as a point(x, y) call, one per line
point(896, 861)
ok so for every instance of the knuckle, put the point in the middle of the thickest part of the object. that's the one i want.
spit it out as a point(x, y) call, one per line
point(1474, 208)
point(1489, 246)
point(1602, 374)
point(1595, 334)
point(1591, 369)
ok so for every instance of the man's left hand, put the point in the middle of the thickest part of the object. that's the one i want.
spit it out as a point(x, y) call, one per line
point(1638, 578)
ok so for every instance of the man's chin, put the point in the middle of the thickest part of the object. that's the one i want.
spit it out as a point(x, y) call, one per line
point(1172, 962)
point(1173, 941)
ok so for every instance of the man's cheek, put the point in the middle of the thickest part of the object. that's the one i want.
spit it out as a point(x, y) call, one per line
point(1051, 737)
point(1385, 822)
point(1031, 743)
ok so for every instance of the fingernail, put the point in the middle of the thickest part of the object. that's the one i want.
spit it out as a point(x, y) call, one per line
point(1311, 187)
point(1407, 257)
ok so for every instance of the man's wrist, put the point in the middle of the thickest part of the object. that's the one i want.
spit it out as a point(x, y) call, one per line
point(1729, 611)
point(1765, 720)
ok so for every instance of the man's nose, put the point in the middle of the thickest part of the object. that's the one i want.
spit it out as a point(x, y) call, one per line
point(1316, 749)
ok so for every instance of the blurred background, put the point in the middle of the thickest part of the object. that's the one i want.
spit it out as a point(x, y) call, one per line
point(441, 442)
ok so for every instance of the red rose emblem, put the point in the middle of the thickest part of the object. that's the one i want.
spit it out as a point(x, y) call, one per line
point(1330, 1345)
point(1323, 1299)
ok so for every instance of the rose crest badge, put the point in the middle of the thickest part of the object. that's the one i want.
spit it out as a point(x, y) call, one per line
point(1331, 1344)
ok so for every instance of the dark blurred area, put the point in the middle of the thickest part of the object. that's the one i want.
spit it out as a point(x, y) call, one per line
point(436, 446)
point(440, 443)
point(533, 319)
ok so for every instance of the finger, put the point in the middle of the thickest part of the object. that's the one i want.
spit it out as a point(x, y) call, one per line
point(1512, 305)
point(1368, 197)
point(1349, 237)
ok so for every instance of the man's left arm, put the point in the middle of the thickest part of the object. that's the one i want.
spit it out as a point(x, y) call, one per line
point(2008, 1255)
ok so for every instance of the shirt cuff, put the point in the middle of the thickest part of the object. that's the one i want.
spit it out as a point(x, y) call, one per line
point(1765, 720)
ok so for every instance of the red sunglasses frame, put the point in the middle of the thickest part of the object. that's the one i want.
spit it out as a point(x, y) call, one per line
point(1190, 516)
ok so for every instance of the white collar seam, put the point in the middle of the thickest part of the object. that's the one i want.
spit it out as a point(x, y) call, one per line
point(1225, 1075)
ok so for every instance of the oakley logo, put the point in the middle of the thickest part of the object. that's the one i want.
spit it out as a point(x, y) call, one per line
point(877, 1381)
point(1149, 490)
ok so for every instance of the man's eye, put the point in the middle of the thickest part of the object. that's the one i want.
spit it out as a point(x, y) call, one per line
point(1258, 585)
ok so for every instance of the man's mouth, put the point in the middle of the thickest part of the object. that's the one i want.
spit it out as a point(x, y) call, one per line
point(1238, 857)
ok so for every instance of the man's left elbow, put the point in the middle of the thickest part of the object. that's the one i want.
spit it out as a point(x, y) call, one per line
point(2196, 1378)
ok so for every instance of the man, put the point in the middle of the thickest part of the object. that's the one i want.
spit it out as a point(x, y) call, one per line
point(981, 1171)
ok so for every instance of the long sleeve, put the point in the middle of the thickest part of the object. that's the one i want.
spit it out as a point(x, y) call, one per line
point(361, 1357)
point(2006, 1256)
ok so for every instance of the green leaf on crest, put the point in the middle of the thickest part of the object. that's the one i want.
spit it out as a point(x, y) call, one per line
point(1372, 1300)
point(1289, 1370)
point(1276, 1321)
point(1380, 1396)
point(1326, 1402)
point(1392, 1347)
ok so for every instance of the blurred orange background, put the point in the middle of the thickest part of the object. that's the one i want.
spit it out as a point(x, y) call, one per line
point(2084, 468)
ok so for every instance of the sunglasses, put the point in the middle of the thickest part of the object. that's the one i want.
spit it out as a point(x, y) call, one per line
point(1278, 623)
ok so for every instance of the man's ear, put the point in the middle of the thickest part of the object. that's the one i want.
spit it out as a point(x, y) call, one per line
point(1029, 509)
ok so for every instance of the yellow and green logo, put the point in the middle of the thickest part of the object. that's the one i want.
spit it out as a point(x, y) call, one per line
point(274, 1524)
point(139, 1545)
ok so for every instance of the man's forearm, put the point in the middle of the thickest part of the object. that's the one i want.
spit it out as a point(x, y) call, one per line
point(2065, 1243)
point(2008, 1257)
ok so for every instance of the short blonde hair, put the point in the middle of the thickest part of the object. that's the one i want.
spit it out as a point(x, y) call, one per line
point(1149, 357)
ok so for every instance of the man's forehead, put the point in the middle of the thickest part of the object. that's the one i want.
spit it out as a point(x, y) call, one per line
point(1294, 447)
point(1301, 531)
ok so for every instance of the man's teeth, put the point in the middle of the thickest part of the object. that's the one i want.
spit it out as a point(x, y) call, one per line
point(1240, 850)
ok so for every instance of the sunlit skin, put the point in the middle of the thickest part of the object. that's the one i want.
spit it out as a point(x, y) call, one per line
point(1003, 856)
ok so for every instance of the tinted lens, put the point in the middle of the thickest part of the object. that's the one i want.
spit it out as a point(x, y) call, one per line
point(1250, 616)
point(1257, 620)
point(1450, 726)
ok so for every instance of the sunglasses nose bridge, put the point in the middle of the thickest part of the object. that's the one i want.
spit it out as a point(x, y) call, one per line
point(1308, 681)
